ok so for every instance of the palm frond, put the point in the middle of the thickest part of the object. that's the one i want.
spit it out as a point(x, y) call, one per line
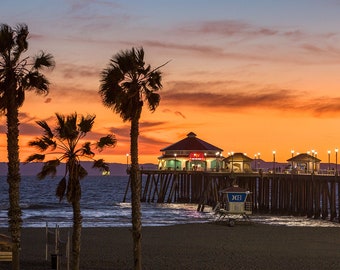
point(6, 38)
point(49, 168)
point(100, 164)
point(35, 157)
point(82, 172)
point(107, 141)
point(39, 143)
point(47, 130)
point(86, 123)
point(61, 189)
point(43, 60)
point(153, 101)
point(21, 43)
point(43, 143)
point(37, 81)
point(134, 84)
point(155, 80)
point(86, 150)
point(67, 126)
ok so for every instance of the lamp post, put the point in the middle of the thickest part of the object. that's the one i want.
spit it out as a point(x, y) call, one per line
point(232, 161)
point(259, 160)
point(274, 152)
point(255, 161)
point(292, 151)
point(336, 161)
point(329, 160)
point(205, 161)
point(313, 160)
point(127, 163)
point(217, 167)
point(175, 155)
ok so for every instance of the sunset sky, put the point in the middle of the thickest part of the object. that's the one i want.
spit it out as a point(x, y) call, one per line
point(245, 76)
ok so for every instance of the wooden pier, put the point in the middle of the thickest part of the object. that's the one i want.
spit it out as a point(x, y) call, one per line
point(312, 195)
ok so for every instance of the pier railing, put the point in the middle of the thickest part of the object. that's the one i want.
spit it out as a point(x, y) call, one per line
point(310, 195)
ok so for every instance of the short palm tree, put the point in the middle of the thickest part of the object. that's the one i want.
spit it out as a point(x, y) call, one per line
point(18, 73)
point(126, 84)
point(66, 144)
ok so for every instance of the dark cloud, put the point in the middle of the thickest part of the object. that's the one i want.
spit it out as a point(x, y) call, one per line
point(146, 144)
point(151, 125)
point(244, 30)
point(228, 28)
point(180, 114)
point(73, 92)
point(287, 100)
point(71, 71)
point(30, 129)
point(177, 113)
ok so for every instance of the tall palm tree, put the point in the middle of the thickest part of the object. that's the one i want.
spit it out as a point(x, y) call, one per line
point(126, 84)
point(64, 144)
point(18, 73)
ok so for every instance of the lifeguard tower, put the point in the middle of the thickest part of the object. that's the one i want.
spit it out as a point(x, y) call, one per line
point(235, 202)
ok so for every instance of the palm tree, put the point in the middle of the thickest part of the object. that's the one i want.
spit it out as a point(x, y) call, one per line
point(18, 73)
point(126, 84)
point(63, 143)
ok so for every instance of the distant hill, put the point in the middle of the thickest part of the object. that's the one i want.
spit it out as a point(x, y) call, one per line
point(34, 168)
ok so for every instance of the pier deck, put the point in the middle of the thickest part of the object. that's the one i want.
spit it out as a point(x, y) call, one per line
point(310, 195)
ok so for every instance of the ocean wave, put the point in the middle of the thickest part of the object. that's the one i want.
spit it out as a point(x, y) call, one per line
point(32, 206)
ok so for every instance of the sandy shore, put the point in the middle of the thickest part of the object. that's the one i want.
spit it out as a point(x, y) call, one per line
point(197, 246)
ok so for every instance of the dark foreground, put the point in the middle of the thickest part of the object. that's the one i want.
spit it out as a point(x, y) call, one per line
point(197, 246)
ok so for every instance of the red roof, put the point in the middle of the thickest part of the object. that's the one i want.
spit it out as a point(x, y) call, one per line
point(233, 189)
point(191, 142)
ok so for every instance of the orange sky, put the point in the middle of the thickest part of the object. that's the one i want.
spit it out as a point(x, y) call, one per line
point(245, 77)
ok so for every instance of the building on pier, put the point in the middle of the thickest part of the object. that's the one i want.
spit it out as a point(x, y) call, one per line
point(237, 162)
point(304, 163)
point(191, 153)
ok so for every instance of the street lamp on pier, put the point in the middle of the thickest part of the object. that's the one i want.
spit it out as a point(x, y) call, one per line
point(292, 151)
point(127, 160)
point(255, 161)
point(274, 152)
point(329, 160)
point(217, 165)
point(336, 161)
point(232, 161)
point(313, 160)
point(127, 163)
point(175, 155)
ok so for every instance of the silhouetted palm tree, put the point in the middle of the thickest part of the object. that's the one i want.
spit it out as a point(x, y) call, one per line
point(126, 84)
point(64, 143)
point(17, 74)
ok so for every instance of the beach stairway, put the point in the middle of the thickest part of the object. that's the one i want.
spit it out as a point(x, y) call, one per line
point(5, 248)
point(57, 248)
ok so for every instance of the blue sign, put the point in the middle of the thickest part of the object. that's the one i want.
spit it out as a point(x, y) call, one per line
point(237, 196)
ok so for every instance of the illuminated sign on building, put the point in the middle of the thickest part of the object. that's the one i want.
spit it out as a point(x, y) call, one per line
point(196, 156)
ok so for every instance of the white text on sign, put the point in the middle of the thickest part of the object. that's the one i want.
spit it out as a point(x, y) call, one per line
point(237, 197)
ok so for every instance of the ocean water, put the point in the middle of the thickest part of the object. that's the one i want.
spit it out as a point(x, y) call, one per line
point(102, 206)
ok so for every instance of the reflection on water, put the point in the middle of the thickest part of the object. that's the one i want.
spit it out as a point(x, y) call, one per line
point(102, 206)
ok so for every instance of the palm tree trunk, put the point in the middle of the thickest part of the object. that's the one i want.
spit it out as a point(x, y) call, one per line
point(77, 221)
point(13, 178)
point(136, 195)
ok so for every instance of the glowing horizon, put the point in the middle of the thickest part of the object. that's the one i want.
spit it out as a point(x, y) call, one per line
point(246, 78)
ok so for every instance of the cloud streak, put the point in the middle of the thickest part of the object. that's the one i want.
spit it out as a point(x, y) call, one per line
point(288, 100)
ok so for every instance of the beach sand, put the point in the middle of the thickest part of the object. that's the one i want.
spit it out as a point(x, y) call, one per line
point(196, 246)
